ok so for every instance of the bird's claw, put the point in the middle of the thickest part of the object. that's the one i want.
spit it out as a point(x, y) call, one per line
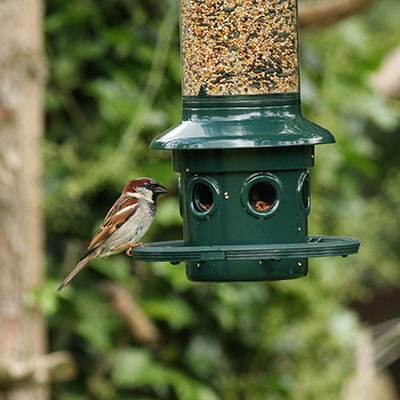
point(128, 251)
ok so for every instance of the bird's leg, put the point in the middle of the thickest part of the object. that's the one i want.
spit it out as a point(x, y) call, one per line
point(128, 251)
point(127, 247)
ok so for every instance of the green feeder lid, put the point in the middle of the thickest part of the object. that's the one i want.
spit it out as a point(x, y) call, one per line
point(226, 122)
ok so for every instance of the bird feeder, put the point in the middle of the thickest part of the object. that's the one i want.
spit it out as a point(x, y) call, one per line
point(243, 148)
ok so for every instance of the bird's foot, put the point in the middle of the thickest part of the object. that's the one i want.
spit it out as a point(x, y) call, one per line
point(128, 251)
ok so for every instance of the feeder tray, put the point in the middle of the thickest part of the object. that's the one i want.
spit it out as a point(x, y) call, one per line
point(214, 263)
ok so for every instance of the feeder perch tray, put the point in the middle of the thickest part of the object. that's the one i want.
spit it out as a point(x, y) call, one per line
point(263, 261)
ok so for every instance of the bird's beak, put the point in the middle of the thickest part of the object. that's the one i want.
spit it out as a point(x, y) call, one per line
point(160, 190)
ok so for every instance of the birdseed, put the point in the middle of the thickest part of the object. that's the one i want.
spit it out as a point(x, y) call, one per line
point(260, 205)
point(239, 47)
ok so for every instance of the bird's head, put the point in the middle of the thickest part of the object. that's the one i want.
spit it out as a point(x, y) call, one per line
point(144, 188)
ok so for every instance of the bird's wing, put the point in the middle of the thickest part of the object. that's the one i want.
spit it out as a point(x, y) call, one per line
point(120, 212)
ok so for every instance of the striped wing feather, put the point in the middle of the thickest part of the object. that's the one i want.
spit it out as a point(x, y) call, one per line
point(119, 213)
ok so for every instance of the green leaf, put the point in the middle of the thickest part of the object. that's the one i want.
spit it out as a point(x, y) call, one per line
point(172, 310)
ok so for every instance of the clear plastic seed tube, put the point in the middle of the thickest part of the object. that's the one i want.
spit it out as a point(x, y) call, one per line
point(239, 47)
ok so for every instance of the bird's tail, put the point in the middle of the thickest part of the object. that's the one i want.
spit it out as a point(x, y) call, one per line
point(81, 264)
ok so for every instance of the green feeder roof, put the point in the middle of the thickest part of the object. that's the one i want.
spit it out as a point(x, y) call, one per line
point(226, 122)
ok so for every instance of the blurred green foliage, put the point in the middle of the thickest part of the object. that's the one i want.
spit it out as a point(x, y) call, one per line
point(114, 85)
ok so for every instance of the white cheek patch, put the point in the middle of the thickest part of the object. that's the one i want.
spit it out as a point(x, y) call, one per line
point(144, 194)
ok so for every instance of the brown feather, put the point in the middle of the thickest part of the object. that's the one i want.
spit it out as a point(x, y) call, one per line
point(81, 264)
point(113, 220)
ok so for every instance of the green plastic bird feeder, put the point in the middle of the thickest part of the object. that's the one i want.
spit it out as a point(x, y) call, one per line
point(243, 149)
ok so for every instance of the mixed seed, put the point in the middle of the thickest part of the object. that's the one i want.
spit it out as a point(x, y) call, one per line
point(239, 47)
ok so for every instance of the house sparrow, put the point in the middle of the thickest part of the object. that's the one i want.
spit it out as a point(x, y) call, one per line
point(127, 221)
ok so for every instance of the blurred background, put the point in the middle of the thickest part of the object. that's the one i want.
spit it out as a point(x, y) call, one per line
point(133, 330)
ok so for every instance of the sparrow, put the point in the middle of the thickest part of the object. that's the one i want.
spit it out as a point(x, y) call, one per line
point(125, 223)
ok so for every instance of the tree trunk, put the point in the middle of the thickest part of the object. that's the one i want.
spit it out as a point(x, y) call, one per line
point(22, 67)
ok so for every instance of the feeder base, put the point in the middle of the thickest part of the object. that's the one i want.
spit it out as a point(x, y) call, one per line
point(246, 271)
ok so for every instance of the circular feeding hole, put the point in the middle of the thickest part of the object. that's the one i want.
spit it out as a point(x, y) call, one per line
point(262, 196)
point(202, 197)
point(305, 193)
point(303, 190)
